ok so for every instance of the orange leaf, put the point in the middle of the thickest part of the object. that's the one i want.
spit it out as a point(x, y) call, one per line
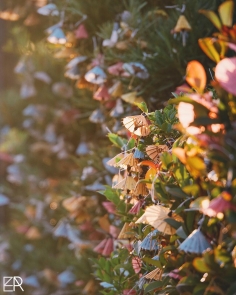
point(148, 163)
point(196, 75)
point(180, 153)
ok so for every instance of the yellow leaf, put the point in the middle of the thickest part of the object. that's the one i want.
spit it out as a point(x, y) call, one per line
point(132, 98)
point(226, 10)
point(150, 175)
point(196, 75)
point(207, 45)
point(212, 16)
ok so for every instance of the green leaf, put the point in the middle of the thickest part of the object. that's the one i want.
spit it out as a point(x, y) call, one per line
point(116, 140)
point(201, 265)
point(176, 191)
point(175, 224)
point(142, 106)
point(166, 159)
point(153, 262)
point(111, 194)
point(152, 286)
point(159, 118)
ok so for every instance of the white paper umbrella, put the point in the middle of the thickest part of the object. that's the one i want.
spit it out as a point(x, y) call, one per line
point(195, 243)
point(128, 183)
point(155, 215)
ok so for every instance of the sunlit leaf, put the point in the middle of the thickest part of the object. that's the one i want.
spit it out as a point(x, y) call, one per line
point(212, 16)
point(200, 265)
point(226, 10)
point(196, 75)
point(207, 45)
point(225, 74)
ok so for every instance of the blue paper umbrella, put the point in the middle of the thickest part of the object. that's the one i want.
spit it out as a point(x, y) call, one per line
point(195, 243)
point(96, 76)
point(150, 242)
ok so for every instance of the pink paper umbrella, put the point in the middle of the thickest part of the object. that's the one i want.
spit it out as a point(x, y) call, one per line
point(81, 32)
point(137, 264)
point(109, 247)
point(137, 207)
point(102, 94)
point(116, 69)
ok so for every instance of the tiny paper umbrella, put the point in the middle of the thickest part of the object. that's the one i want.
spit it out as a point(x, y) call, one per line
point(128, 183)
point(137, 264)
point(154, 151)
point(150, 242)
point(155, 215)
point(137, 125)
point(81, 32)
point(137, 207)
point(127, 160)
point(96, 75)
point(49, 9)
point(195, 243)
point(156, 275)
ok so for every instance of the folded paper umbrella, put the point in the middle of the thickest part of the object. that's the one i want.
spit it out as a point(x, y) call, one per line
point(73, 73)
point(75, 61)
point(113, 161)
point(156, 275)
point(127, 160)
point(116, 69)
point(195, 243)
point(136, 69)
point(60, 230)
point(182, 27)
point(154, 151)
point(137, 207)
point(128, 183)
point(126, 232)
point(96, 76)
point(57, 36)
point(97, 116)
point(105, 247)
point(116, 90)
point(137, 125)
point(81, 32)
point(141, 189)
point(114, 37)
point(137, 264)
point(155, 215)
point(138, 154)
point(102, 94)
point(150, 242)
point(49, 9)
